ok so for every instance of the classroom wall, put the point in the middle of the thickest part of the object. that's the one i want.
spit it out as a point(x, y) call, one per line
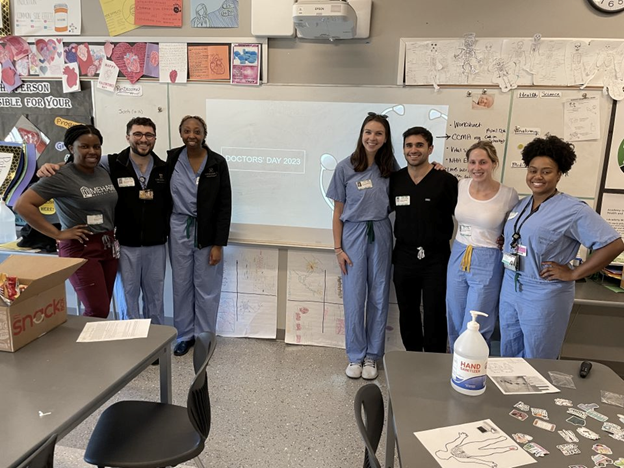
point(374, 61)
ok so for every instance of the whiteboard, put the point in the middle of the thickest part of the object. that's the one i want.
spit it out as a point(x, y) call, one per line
point(113, 111)
point(288, 122)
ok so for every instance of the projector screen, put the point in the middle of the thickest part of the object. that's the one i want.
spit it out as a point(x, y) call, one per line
point(282, 155)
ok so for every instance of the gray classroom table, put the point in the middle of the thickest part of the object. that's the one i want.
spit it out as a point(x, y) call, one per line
point(421, 398)
point(70, 380)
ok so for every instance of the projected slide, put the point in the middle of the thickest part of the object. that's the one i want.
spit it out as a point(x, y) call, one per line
point(282, 154)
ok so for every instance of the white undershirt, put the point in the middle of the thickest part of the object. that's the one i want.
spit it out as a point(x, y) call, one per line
point(480, 222)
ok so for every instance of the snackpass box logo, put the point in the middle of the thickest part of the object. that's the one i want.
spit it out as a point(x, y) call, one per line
point(23, 322)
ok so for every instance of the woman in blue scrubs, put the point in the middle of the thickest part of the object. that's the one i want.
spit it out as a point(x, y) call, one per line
point(200, 226)
point(542, 235)
point(363, 243)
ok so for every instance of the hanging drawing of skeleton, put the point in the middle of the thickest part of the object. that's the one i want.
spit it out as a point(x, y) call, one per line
point(467, 56)
point(534, 54)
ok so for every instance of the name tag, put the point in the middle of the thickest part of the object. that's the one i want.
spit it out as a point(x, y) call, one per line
point(512, 215)
point(403, 200)
point(364, 184)
point(95, 219)
point(146, 195)
point(196, 180)
point(521, 250)
point(465, 230)
point(125, 182)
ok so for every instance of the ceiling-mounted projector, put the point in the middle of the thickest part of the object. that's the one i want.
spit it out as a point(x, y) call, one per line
point(324, 19)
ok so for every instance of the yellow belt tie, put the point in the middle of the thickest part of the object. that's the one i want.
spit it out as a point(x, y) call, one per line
point(466, 259)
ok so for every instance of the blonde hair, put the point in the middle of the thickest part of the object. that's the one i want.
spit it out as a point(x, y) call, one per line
point(486, 146)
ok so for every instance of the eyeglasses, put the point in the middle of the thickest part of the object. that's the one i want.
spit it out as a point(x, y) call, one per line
point(139, 135)
point(373, 114)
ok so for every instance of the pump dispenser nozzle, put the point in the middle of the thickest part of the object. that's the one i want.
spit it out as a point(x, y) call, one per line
point(473, 324)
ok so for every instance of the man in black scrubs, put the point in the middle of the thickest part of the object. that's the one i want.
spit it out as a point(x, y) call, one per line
point(424, 200)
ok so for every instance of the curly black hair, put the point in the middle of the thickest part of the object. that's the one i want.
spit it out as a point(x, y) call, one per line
point(553, 147)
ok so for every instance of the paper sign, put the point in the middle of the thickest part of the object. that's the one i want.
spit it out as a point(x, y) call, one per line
point(49, 52)
point(71, 79)
point(98, 55)
point(152, 59)
point(119, 16)
point(246, 64)
point(581, 119)
point(158, 13)
point(46, 17)
point(209, 62)
point(214, 14)
point(172, 63)
point(108, 76)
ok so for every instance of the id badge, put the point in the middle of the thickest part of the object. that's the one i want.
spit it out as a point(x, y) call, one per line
point(512, 215)
point(510, 261)
point(364, 184)
point(146, 194)
point(465, 230)
point(95, 219)
point(522, 250)
point(402, 200)
point(125, 182)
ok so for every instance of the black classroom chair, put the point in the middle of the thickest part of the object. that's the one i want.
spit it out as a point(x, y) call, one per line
point(145, 434)
point(369, 399)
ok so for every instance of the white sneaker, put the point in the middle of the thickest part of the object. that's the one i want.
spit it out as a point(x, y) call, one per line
point(369, 372)
point(354, 370)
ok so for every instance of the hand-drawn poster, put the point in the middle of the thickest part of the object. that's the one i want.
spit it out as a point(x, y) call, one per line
point(475, 444)
point(46, 17)
point(49, 53)
point(119, 16)
point(71, 78)
point(246, 64)
point(172, 62)
point(581, 119)
point(165, 13)
point(214, 13)
point(152, 59)
point(10, 78)
point(612, 210)
point(314, 310)
point(108, 76)
point(248, 306)
point(209, 62)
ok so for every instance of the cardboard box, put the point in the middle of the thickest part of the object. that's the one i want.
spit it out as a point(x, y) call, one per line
point(42, 305)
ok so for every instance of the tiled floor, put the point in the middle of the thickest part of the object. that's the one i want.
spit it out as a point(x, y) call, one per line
point(274, 405)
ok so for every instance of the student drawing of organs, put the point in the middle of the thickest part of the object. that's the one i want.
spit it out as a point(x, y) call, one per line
point(534, 53)
point(474, 452)
point(467, 55)
point(502, 75)
point(434, 65)
point(518, 58)
point(216, 65)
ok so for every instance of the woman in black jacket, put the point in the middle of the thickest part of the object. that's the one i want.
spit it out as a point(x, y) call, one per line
point(200, 226)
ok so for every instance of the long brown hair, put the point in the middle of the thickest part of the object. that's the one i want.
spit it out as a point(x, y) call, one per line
point(385, 155)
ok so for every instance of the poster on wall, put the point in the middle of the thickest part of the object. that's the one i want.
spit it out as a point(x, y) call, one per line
point(46, 17)
point(615, 158)
point(612, 210)
point(48, 110)
point(214, 13)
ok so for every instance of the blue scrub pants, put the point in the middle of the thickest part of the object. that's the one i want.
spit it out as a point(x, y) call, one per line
point(366, 289)
point(142, 269)
point(534, 316)
point(477, 289)
point(196, 284)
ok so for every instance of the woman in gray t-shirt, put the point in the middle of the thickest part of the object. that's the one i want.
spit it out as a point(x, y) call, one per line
point(85, 200)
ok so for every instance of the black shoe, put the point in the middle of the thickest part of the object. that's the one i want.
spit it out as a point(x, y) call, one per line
point(183, 347)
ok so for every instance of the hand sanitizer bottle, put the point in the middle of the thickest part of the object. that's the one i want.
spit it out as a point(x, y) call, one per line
point(470, 357)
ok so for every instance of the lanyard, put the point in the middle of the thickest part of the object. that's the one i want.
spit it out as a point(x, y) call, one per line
point(516, 235)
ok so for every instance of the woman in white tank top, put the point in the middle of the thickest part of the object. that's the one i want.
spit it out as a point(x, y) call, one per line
point(475, 270)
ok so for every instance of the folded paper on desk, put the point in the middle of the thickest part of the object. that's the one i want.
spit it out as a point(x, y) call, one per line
point(42, 305)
